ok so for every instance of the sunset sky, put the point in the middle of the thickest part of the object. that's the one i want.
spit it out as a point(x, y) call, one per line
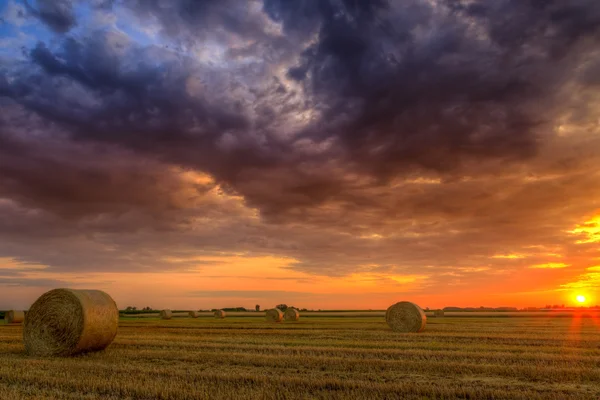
point(333, 154)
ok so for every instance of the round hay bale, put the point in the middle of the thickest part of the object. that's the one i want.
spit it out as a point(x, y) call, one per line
point(14, 317)
point(438, 313)
point(274, 315)
point(406, 317)
point(220, 314)
point(291, 314)
point(166, 314)
point(194, 314)
point(64, 322)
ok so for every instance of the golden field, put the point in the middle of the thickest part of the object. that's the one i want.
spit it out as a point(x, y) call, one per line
point(318, 358)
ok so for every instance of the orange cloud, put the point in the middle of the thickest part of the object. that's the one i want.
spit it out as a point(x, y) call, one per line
point(509, 256)
point(550, 266)
point(590, 279)
point(589, 231)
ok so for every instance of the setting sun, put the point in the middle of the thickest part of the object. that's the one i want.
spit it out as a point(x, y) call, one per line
point(581, 299)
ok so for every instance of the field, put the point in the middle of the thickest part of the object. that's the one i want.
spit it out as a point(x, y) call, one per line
point(319, 357)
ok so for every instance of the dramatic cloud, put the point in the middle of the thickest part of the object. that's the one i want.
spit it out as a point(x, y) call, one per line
point(419, 142)
point(57, 14)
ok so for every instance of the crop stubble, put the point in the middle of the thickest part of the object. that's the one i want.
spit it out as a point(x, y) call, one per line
point(355, 358)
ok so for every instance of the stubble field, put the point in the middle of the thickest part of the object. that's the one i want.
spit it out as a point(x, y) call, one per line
point(318, 357)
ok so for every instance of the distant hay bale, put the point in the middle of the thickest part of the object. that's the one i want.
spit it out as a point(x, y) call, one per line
point(14, 317)
point(274, 315)
point(438, 313)
point(291, 314)
point(166, 314)
point(194, 314)
point(64, 322)
point(406, 317)
point(220, 314)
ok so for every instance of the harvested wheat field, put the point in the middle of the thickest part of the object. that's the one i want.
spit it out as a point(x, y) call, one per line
point(322, 358)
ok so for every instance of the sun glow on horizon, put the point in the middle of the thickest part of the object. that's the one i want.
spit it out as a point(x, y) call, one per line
point(580, 298)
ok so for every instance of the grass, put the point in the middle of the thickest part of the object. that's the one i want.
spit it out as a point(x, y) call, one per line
point(318, 358)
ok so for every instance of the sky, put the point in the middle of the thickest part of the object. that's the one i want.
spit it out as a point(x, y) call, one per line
point(334, 154)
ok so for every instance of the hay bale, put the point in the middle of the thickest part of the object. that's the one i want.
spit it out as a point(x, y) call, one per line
point(438, 313)
point(291, 314)
point(14, 317)
point(64, 322)
point(220, 314)
point(166, 314)
point(406, 317)
point(274, 315)
point(194, 314)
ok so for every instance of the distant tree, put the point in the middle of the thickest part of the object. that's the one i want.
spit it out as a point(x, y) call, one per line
point(282, 307)
point(257, 307)
point(232, 309)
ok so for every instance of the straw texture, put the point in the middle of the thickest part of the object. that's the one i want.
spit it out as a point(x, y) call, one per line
point(220, 314)
point(166, 314)
point(14, 317)
point(406, 317)
point(65, 322)
point(194, 314)
point(291, 314)
point(438, 313)
point(274, 315)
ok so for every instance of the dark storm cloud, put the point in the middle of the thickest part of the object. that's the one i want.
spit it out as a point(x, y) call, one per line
point(186, 19)
point(410, 85)
point(395, 86)
point(149, 108)
point(72, 180)
point(57, 14)
point(320, 125)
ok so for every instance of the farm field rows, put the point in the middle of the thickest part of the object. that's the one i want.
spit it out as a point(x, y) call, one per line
point(318, 357)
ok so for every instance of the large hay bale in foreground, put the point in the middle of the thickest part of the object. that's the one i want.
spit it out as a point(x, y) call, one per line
point(438, 313)
point(406, 317)
point(220, 314)
point(194, 314)
point(274, 315)
point(14, 317)
point(166, 314)
point(291, 314)
point(64, 322)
